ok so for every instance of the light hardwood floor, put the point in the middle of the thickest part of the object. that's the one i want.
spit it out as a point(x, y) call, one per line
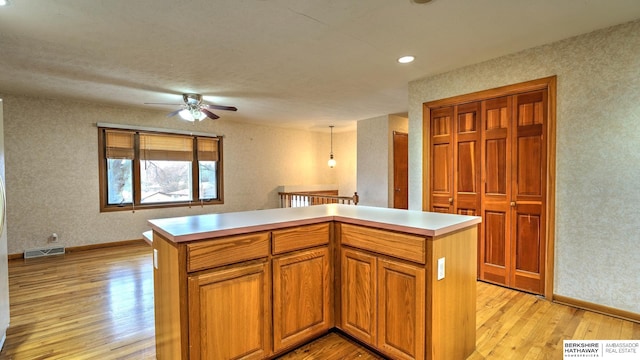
point(98, 304)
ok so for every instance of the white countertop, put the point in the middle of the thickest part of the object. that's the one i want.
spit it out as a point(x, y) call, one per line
point(197, 227)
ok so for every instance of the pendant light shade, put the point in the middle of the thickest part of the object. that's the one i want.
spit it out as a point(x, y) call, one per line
point(192, 114)
point(332, 161)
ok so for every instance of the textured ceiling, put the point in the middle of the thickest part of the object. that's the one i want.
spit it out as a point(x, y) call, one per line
point(294, 63)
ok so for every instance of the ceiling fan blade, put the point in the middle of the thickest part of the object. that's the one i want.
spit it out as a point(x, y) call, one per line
point(209, 114)
point(220, 107)
point(163, 104)
point(174, 113)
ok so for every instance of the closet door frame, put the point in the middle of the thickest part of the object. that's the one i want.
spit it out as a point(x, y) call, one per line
point(548, 83)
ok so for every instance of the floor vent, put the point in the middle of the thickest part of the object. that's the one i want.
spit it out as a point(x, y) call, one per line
point(50, 251)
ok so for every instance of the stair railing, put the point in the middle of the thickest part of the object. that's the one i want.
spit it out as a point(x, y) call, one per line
point(300, 199)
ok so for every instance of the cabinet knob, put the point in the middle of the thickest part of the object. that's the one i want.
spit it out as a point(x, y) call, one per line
point(513, 204)
point(450, 200)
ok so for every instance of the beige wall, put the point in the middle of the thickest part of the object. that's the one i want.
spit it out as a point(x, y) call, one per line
point(375, 158)
point(373, 152)
point(598, 154)
point(344, 151)
point(52, 169)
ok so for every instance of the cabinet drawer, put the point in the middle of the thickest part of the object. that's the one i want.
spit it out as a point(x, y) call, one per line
point(300, 237)
point(227, 250)
point(403, 246)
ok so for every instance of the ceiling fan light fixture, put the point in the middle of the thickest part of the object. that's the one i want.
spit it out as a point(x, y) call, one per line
point(192, 114)
point(197, 114)
point(186, 115)
point(194, 109)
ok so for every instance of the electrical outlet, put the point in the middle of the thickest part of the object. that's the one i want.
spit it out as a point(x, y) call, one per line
point(440, 268)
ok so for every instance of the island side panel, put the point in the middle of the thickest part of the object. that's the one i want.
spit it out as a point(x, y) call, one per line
point(451, 302)
point(171, 338)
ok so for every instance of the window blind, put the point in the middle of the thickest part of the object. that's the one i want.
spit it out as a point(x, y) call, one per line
point(166, 147)
point(207, 149)
point(119, 144)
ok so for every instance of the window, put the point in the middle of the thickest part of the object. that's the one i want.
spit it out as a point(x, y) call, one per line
point(144, 169)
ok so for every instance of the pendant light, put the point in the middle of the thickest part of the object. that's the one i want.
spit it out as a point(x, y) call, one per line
point(332, 161)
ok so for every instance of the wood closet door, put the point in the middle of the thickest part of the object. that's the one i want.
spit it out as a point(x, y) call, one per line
point(455, 146)
point(495, 247)
point(442, 160)
point(466, 159)
point(512, 248)
point(489, 158)
point(528, 174)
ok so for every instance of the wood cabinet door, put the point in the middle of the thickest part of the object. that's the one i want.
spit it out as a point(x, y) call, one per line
point(359, 295)
point(301, 297)
point(442, 160)
point(229, 313)
point(401, 309)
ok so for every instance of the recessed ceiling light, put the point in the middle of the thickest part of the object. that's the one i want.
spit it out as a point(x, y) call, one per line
point(406, 59)
point(4, 2)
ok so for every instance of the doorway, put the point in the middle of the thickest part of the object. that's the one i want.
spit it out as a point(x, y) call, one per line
point(400, 170)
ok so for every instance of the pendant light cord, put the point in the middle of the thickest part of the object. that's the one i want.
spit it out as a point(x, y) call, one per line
point(331, 127)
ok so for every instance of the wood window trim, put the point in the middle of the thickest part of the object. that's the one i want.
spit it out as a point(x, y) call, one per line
point(104, 207)
point(549, 83)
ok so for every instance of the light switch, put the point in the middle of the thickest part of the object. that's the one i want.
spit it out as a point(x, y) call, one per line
point(155, 258)
point(440, 268)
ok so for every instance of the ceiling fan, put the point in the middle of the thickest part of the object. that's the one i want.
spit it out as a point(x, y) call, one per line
point(193, 109)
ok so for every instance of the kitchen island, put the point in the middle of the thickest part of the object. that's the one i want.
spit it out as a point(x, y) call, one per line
point(256, 284)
